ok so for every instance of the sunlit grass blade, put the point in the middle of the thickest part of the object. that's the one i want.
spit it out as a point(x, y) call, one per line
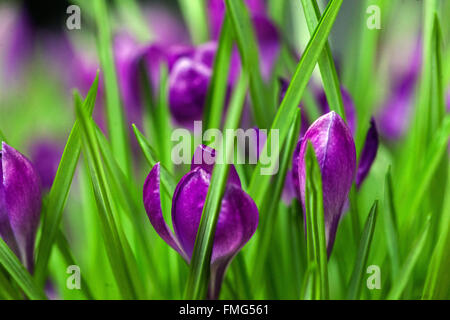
point(390, 223)
point(315, 224)
point(437, 284)
point(326, 62)
point(18, 272)
point(2, 136)
point(408, 267)
point(197, 284)
point(248, 48)
point(268, 212)
point(215, 101)
point(114, 112)
point(363, 254)
point(116, 244)
point(7, 290)
point(60, 188)
point(195, 15)
point(259, 183)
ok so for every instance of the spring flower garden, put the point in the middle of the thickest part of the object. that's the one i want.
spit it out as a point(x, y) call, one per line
point(321, 169)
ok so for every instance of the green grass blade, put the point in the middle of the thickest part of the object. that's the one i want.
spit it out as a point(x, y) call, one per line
point(194, 13)
point(248, 49)
point(198, 279)
point(114, 112)
point(408, 267)
point(259, 183)
point(390, 222)
point(363, 254)
point(215, 102)
point(18, 272)
point(316, 242)
point(60, 188)
point(2, 136)
point(326, 63)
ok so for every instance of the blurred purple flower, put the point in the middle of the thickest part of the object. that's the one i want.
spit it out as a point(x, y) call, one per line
point(368, 154)
point(335, 150)
point(46, 155)
point(165, 26)
point(238, 217)
point(20, 203)
point(394, 117)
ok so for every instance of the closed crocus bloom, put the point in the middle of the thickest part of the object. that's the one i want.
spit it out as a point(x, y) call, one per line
point(237, 222)
point(20, 203)
point(46, 155)
point(336, 155)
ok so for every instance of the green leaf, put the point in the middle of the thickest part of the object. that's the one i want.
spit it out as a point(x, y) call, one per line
point(315, 224)
point(215, 101)
point(60, 188)
point(268, 212)
point(363, 254)
point(18, 272)
point(194, 13)
point(259, 183)
point(326, 62)
point(405, 274)
point(199, 272)
point(117, 247)
point(248, 49)
point(390, 223)
point(168, 182)
point(114, 112)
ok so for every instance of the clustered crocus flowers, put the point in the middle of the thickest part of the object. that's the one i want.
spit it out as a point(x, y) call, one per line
point(238, 217)
point(20, 203)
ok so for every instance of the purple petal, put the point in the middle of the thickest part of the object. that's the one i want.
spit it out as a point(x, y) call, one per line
point(335, 150)
point(152, 204)
point(206, 53)
point(21, 200)
point(268, 42)
point(165, 26)
point(188, 87)
point(238, 217)
point(368, 154)
point(205, 157)
point(46, 155)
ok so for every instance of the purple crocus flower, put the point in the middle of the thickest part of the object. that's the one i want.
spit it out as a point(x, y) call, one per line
point(238, 217)
point(394, 116)
point(335, 150)
point(20, 203)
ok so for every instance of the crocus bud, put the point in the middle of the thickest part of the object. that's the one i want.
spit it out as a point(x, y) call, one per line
point(238, 217)
point(20, 203)
point(368, 154)
point(336, 155)
point(46, 155)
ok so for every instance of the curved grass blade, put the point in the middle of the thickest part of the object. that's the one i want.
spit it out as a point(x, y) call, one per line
point(198, 278)
point(248, 49)
point(60, 188)
point(326, 63)
point(407, 269)
point(114, 112)
point(363, 254)
point(315, 224)
point(215, 101)
point(18, 272)
point(259, 183)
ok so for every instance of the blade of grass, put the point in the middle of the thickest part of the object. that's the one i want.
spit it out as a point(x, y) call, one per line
point(248, 49)
point(363, 254)
point(18, 272)
point(259, 183)
point(114, 112)
point(390, 223)
point(326, 63)
point(408, 267)
point(194, 13)
point(198, 278)
point(215, 101)
point(60, 188)
point(316, 242)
